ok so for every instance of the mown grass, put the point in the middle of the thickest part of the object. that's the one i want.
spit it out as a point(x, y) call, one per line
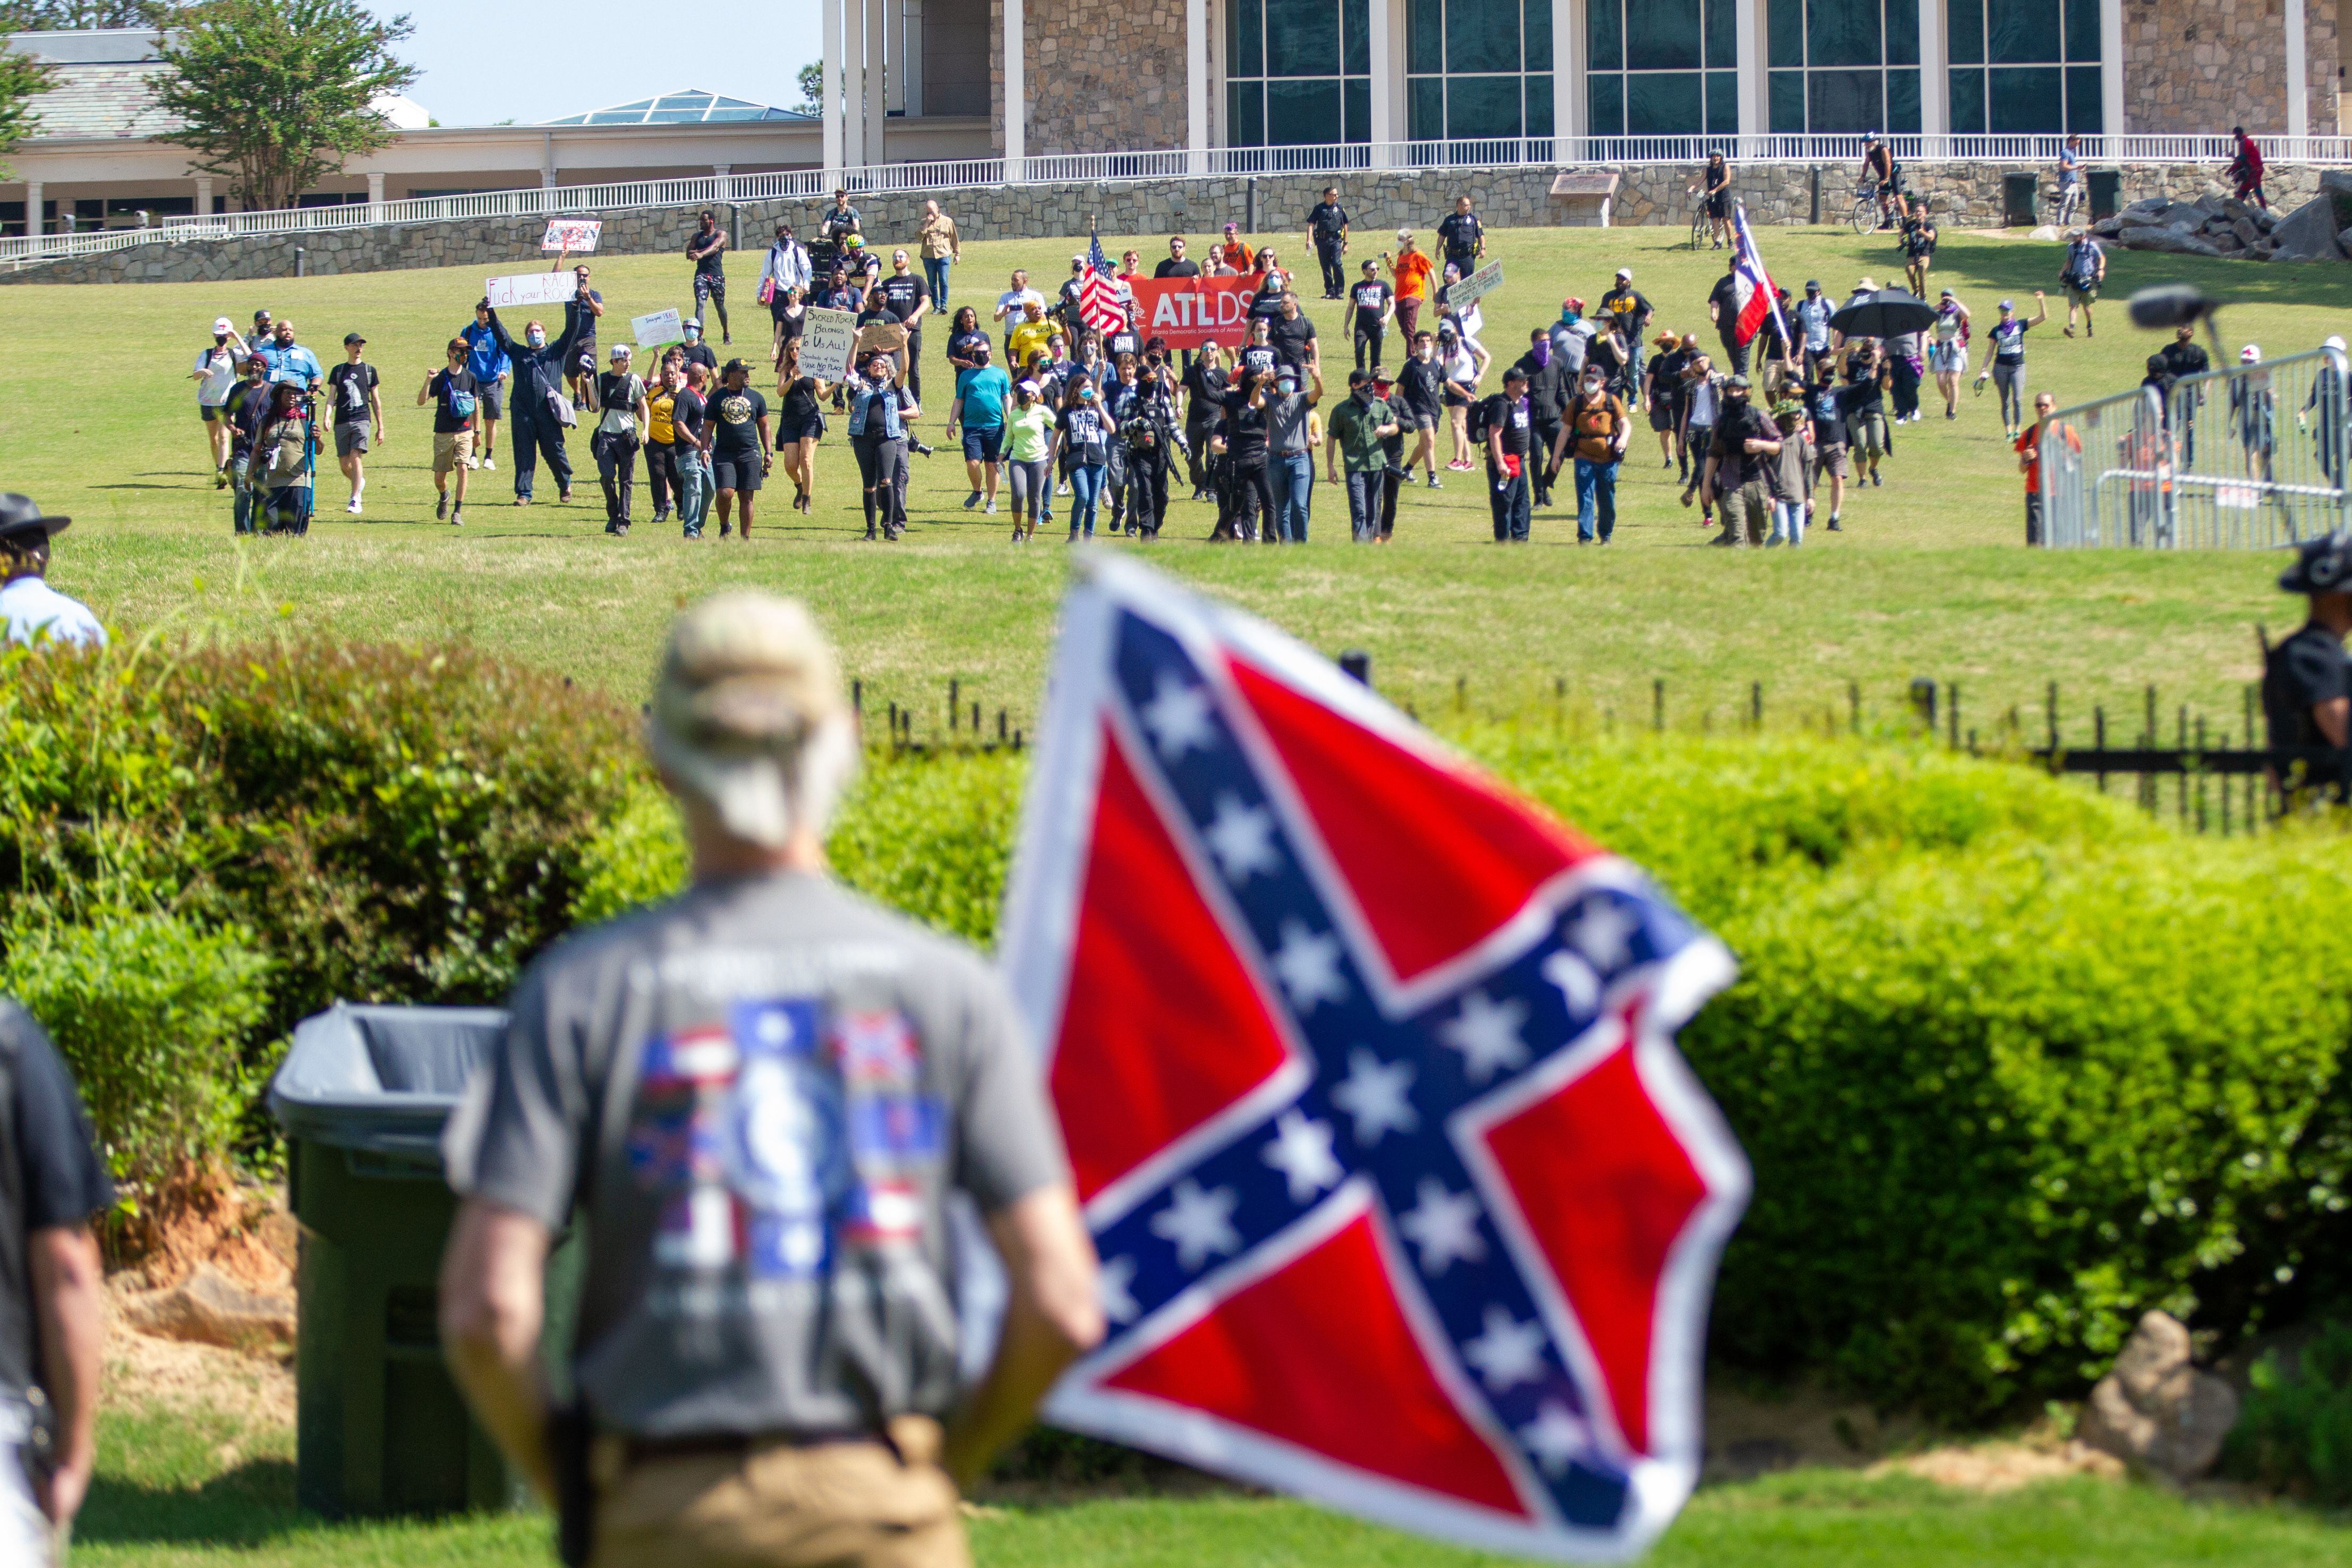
point(1930, 577)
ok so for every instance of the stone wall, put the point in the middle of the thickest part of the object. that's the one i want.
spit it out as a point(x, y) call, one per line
point(1269, 207)
point(2202, 66)
point(1101, 76)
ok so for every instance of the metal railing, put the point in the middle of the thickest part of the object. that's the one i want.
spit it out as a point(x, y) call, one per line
point(2250, 456)
point(1064, 168)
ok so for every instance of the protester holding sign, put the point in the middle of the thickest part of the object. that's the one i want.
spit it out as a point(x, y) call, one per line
point(541, 407)
point(704, 247)
point(584, 308)
point(800, 424)
point(878, 411)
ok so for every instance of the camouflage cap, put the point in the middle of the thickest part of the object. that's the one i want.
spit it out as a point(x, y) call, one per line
point(747, 713)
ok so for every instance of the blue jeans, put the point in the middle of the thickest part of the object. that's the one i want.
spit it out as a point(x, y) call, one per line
point(1293, 473)
point(1364, 505)
point(1789, 520)
point(1596, 490)
point(694, 488)
point(935, 278)
point(1086, 489)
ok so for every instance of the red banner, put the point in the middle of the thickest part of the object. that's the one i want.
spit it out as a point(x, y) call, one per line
point(1188, 311)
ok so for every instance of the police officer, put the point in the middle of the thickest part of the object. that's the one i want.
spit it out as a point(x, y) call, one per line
point(52, 1328)
point(2306, 679)
point(32, 612)
point(755, 1099)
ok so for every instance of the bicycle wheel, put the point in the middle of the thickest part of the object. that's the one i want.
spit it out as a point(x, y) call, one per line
point(1864, 216)
point(1700, 228)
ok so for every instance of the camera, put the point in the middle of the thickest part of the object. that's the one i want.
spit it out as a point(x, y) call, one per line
point(918, 448)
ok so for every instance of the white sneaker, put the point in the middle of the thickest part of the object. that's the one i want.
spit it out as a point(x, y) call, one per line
point(352, 507)
point(490, 462)
point(991, 511)
point(473, 462)
point(1064, 488)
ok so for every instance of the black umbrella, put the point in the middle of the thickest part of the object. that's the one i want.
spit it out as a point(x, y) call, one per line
point(1889, 314)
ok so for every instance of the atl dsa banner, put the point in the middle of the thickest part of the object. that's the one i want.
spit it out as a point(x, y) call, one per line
point(1188, 312)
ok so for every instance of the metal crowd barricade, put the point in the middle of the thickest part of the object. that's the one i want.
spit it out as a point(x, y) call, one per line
point(2248, 457)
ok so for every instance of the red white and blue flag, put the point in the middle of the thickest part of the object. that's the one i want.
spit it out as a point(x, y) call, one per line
point(1759, 301)
point(1405, 1201)
point(1102, 298)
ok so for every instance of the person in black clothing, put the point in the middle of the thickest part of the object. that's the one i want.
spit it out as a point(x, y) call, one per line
point(1176, 264)
point(2306, 679)
point(2183, 358)
point(1394, 479)
point(841, 220)
point(536, 428)
point(966, 341)
point(1509, 440)
point(52, 1288)
point(737, 444)
point(1549, 392)
point(704, 248)
point(619, 404)
point(1371, 303)
point(1723, 309)
point(906, 296)
point(1862, 406)
point(1464, 236)
point(1205, 379)
point(247, 407)
point(1246, 428)
point(583, 310)
point(1420, 390)
point(1327, 226)
point(695, 350)
point(1293, 336)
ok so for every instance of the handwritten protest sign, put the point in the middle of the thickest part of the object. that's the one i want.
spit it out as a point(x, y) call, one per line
point(826, 343)
point(578, 235)
point(661, 327)
point(1188, 312)
point(887, 336)
point(1475, 287)
point(528, 289)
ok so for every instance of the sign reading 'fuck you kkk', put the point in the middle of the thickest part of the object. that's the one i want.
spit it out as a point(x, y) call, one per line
point(1188, 311)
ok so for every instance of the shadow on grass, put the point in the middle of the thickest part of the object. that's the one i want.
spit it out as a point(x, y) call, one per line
point(246, 1505)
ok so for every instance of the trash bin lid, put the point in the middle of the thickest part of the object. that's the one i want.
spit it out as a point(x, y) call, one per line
point(381, 1078)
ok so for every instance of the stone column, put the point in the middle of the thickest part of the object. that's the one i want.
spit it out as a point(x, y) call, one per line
point(1568, 105)
point(34, 217)
point(375, 192)
point(1016, 93)
point(2111, 67)
point(2298, 72)
point(1384, 65)
point(1196, 78)
point(879, 68)
point(1934, 79)
point(828, 107)
point(204, 195)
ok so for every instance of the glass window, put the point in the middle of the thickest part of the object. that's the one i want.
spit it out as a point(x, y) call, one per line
point(1425, 39)
point(1482, 36)
point(1301, 40)
point(1844, 101)
point(1662, 103)
point(1722, 31)
point(1902, 34)
point(1903, 102)
point(1787, 91)
point(1426, 108)
point(1968, 102)
point(1604, 34)
point(1245, 113)
point(1662, 37)
point(1355, 37)
point(2019, 31)
point(1675, 40)
point(1843, 33)
point(1722, 103)
point(1356, 105)
point(1480, 107)
point(1539, 106)
point(1291, 62)
point(1248, 43)
point(1302, 114)
point(1964, 32)
point(1604, 106)
point(2025, 100)
point(1784, 29)
point(2085, 108)
point(1539, 36)
point(2082, 29)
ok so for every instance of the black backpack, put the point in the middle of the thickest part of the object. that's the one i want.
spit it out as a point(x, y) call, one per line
point(1476, 422)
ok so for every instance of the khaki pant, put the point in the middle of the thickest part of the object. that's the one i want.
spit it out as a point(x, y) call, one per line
point(835, 1505)
point(1750, 505)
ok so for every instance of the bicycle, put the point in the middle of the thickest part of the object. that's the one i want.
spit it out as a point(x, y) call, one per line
point(1702, 225)
point(1866, 213)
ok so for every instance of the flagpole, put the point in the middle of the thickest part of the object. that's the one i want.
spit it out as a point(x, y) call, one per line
point(1764, 275)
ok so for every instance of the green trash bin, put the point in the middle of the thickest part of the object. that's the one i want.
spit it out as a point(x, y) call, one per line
point(362, 1097)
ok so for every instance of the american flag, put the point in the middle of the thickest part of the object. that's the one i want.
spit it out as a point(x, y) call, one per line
point(1102, 298)
point(1758, 300)
point(1405, 1201)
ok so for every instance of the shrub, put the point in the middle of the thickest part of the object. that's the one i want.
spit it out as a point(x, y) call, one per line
point(2294, 1430)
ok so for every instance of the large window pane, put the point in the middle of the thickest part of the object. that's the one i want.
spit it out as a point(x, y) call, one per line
point(1482, 106)
point(2020, 31)
point(1902, 33)
point(1784, 27)
point(1722, 103)
point(1661, 35)
point(1964, 32)
point(1539, 36)
point(1604, 35)
point(1842, 33)
point(1787, 103)
point(1302, 38)
point(2082, 30)
point(1356, 109)
point(1246, 115)
point(1968, 102)
point(1425, 37)
point(1356, 37)
point(1483, 36)
point(1302, 114)
point(1539, 106)
point(1664, 103)
point(2025, 100)
point(1722, 32)
point(1903, 102)
point(1424, 109)
point(1248, 38)
point(2084, 111)
point(1843, 102)
point(1604, 106)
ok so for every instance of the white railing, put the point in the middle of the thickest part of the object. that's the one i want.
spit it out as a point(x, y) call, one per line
point(1068, 168)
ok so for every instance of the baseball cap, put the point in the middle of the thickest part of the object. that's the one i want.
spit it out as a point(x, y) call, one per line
point(1404, 234)
point(1357, 377)
point(223, 325)
point(1571, 303)
point(1515, 373)
point(1233, 229)
point(1949, 295)
point(747, 714)
point(1624, 273)
point(351, 338)
point(2009, 304)
point(2332, 342)
point(1813, 285)
point(622, 351)
point(1739, 383)
point(2322, 565)
point(2250, 354)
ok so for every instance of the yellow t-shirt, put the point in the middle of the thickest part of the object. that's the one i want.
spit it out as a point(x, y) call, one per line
point(1028, 337)
point(662, 433)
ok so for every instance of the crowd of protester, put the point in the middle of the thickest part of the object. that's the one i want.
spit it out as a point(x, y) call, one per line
point(1765, 430)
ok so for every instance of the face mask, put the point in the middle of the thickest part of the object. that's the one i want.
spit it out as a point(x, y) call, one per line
point(536, 338)
point(1593, 385)
point(692, 333)
point(1541, 351)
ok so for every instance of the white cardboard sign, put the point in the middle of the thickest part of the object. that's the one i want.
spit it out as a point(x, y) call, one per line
point(1477, 285)
point(577, 235)
point(661, 327)
point(528, 289)
point(825, 344)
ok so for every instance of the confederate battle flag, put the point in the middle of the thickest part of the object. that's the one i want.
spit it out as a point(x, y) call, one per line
point(1405, 1200)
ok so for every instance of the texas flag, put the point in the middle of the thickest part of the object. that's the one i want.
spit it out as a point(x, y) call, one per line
point(1759, 301)
point(1406, 1201)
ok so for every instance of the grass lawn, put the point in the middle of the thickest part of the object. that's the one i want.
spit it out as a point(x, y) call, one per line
point(1930, 577)
point(175, 1492)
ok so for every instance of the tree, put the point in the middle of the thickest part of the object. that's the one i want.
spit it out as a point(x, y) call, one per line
point(276, 94)
point(72, 15)
point(22, 80)
point(812, 80)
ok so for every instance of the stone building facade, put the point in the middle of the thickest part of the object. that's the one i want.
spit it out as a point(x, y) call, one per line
point(2202, 66)
point(1103, 76)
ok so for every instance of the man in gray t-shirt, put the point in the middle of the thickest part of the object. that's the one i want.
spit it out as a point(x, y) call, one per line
point(755, 1099)
point(1290, 460)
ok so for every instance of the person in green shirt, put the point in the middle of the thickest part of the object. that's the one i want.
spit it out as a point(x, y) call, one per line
point(1029, 457)
point(1357, 428)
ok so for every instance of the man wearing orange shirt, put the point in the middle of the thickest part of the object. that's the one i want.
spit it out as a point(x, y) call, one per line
point(1234, 254)
point(2029, 460)
point(1411, 270)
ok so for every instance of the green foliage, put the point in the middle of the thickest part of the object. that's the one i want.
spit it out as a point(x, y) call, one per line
point(276, 94)
point(152, 1012)
point(22, 80)
point(2294, 1430)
